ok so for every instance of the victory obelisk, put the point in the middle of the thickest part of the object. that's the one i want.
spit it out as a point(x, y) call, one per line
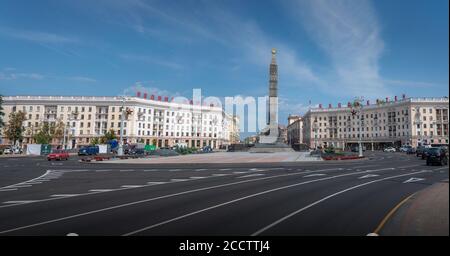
point(269, 138)
point(270, 134)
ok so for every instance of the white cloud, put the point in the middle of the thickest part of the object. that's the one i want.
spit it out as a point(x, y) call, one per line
point(37, 36)
point(349, 33)
point(14, 76)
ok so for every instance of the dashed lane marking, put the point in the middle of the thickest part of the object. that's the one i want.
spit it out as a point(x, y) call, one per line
point(197, 177)
point(64, 195)
point(250, 175)
point(19, 202)
point(178, 180)
point(156, 182)
point(100, 190)
point(314, 175)
point(132, 186)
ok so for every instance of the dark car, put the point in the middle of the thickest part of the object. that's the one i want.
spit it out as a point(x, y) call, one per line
point(425, 152)
point(437, 156)
point(420, 150)
point(136, 152)
point(88, 150)
point(410, 151)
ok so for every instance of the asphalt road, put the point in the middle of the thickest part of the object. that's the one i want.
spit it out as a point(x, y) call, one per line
point(323, 198)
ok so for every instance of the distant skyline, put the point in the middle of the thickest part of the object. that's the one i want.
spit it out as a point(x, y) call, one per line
point(328, 51)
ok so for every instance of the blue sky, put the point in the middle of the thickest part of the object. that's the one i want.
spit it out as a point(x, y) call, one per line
point(328, 51)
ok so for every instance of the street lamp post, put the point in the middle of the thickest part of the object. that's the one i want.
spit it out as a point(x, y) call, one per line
point(357, 108)
point(122, 118)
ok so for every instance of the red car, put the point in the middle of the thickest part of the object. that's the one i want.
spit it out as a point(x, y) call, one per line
point(58, 155)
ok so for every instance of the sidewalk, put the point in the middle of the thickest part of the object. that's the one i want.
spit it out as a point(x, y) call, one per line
point(426, 213)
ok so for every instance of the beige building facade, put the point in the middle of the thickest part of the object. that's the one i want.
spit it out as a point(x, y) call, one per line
point(295, 131)
point(408, 121)
point(156, 122)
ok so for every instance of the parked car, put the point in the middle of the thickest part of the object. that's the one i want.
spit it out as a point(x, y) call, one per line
point(88, 150)
point(411, 150)
point(420, 150)
point(58, 155)
point(405, 148)
point(390, 149)
point(437, 155)
point(136, 152)
point(207, 149)
point(7, 151)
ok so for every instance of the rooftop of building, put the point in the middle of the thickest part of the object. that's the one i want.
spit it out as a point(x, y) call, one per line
point(380, 103)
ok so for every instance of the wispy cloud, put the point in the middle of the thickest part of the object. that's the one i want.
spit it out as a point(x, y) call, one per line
point(37, 36)
point(152, 60)
point(11, 74)
point(8, 75)
point(349, 33)
point(82, 79)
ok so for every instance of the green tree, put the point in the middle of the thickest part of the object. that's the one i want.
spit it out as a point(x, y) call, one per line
point(43, 136)
point(57, 131)
point(14, 129)
point(95, 141)
point(2, 114)
point(109, 135)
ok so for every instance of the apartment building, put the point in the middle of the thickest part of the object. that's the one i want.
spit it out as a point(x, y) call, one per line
point(155, 121)
point(406, 121)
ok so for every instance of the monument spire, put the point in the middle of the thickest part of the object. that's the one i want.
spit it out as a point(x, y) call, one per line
point(273, 73)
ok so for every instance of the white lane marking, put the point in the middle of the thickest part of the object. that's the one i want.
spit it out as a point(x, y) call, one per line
point(100, 190)
point(64, 195)
point(21, 186)
point(156, 182)
point(169, 196)
point(368, 176)
point(314, 175)
point(127, 170)
point(8, 189)
point(174, 170)
point(225, 169)
point(250, 175)
point(72, 234)
point(103, 170)
point(11, 186)
point(413, 179)
point(240, 199)
point(239, 172)
point(218, 186)
point(132, 186)
point(221, 174)
point(197, 177)
point(19, 202)
point(326, 198)
point(178, 180)
point(199, 170)
point(150, 170)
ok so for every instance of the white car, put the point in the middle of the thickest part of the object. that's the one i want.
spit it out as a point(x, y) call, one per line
point(389, 149)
